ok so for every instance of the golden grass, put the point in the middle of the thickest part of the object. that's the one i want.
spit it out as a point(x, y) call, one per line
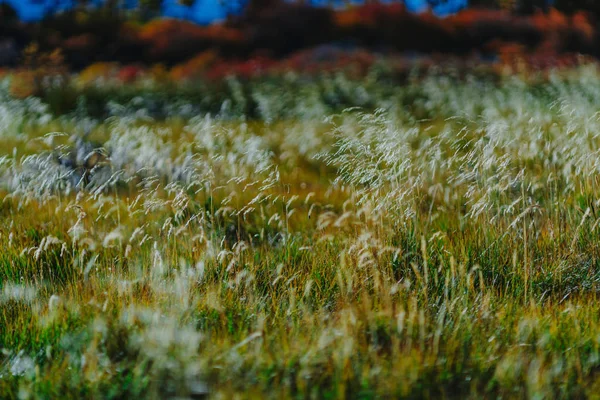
point(373, 256)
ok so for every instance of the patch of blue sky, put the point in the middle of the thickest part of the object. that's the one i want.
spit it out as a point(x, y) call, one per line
point(210, 11)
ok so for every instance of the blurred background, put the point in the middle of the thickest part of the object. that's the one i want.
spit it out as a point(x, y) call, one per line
point(178, 40)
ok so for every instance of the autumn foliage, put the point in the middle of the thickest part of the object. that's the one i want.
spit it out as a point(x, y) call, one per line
point(299, 37)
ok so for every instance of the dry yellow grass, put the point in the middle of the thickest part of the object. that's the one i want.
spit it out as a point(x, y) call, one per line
point(366, 255)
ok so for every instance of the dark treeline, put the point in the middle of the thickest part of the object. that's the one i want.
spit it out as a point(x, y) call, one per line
point(274, 29)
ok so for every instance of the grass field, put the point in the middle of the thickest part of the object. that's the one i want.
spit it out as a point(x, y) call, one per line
point(441, 241)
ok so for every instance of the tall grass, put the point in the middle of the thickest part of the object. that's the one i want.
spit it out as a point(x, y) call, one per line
point(442, 244)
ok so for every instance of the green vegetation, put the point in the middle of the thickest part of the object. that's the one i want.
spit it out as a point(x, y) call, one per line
point(441, 241)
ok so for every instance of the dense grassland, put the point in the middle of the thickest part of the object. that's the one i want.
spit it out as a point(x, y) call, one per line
point(440, 241)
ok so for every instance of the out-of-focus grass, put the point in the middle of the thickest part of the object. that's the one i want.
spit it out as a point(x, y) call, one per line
point(362, 255)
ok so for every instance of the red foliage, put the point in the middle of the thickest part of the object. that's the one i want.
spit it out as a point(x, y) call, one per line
point(328, 58)
point(467, 31)
point(369, 14)
point(130, 73)
point(244, 69)
point(284, 29)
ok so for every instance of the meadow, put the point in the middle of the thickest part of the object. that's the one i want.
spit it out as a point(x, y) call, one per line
point(323, 237)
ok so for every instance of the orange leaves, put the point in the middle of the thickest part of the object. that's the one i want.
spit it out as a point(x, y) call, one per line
point(194, 67)
point(161, 32)
point(469, 30)
point(98, 71)
point(112, 71)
